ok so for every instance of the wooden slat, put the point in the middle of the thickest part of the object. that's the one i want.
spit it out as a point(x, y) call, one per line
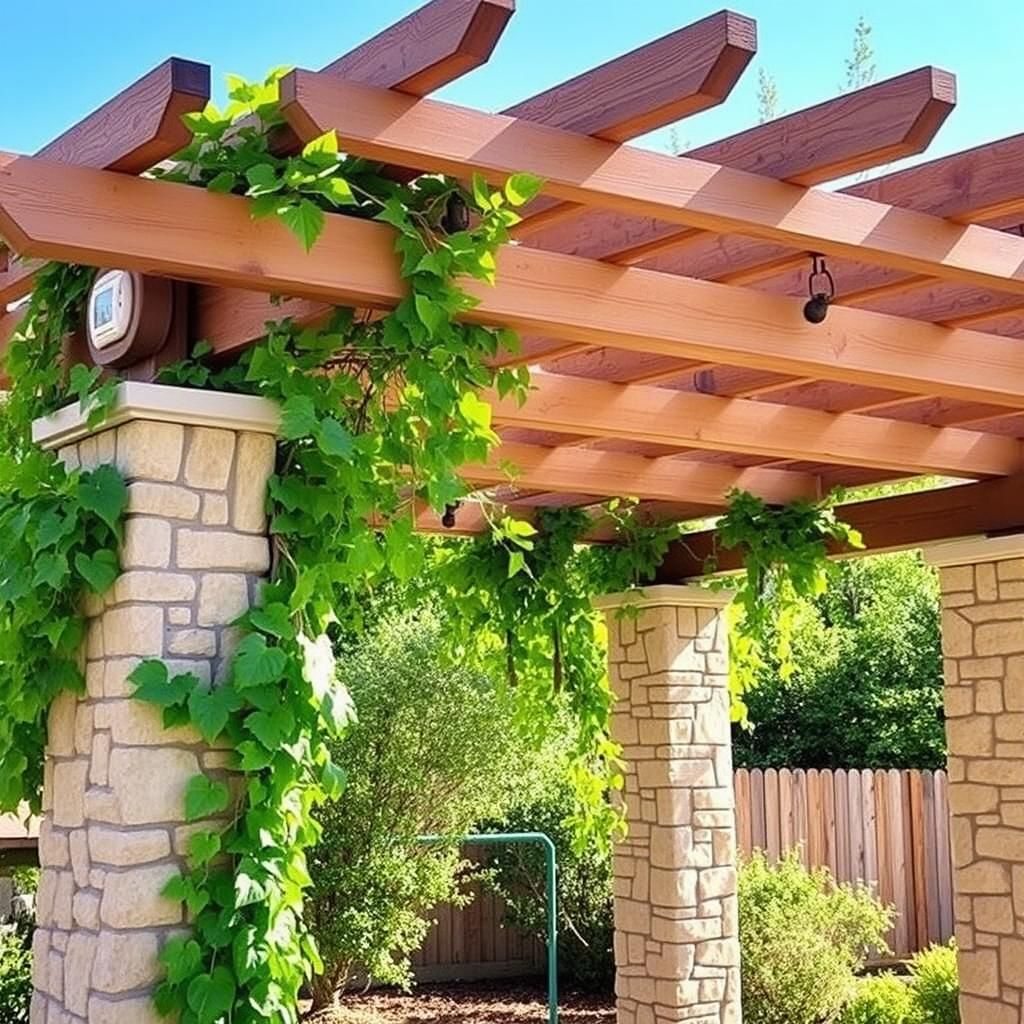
point(853, 132)
point(945, 885)
point(744, 804)
point(617, 474)
point(436, 44)
point(678, 75)
point(909, 520)
point(104, 219)
point(384, 125)
point(659, 416)
point(130, 133)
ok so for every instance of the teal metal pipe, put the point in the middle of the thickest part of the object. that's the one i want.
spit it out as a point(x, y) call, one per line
point(551, 889)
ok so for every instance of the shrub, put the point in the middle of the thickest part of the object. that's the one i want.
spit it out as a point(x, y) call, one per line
point(803, 937)
point(585, 922)
point(935, 986)
point(432, 750)
point(882, 999)
point(15, 977)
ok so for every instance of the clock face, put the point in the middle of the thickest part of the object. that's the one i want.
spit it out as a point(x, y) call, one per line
point(103, 307)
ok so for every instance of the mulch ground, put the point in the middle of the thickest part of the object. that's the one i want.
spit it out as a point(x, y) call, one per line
point(490, 1003)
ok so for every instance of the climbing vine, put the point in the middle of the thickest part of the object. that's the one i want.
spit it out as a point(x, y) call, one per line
point(785, 559)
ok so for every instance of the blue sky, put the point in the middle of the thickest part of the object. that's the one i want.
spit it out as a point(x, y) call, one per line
point(69, 55)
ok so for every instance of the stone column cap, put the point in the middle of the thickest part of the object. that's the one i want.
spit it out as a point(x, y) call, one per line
point(137, 400)
point(665, 595)
point(971, 550)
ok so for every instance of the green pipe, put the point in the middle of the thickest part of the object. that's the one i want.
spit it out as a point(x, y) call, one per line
point(551, 887)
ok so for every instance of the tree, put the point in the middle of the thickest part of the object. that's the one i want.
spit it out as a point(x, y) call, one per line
point(432, 752)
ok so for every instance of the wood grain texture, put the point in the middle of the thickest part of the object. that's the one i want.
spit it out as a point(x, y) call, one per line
point(383, 125)
point(102, 219)
point(646, 414)
point(615, 474)
point(436, 44)
point(130, 133)
point(673, 77)
point(905, 521)
point(853, 132)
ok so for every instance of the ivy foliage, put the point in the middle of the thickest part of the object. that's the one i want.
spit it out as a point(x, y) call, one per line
point(785, 559)
point(59, 530)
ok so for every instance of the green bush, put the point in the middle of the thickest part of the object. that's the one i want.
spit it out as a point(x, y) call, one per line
point(935, 986)
point(15, 977)
point(803, 937)
point(867, 690)
point(585, 923)
point(882, 999)
point(432, 750)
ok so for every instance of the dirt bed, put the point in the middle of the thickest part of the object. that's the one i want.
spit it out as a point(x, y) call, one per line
point(468, 1004)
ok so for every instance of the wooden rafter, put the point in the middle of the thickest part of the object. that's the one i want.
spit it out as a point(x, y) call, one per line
point(904, 521)
point(61, 212)
point(853, 132)
point(616, 474)
point(681, 74)
point(130, 133)
point(637, 412)
point(439, 137)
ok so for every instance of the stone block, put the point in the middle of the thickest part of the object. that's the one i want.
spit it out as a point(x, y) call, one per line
point(78, 961)
point(999, 638)
point(69, 781)
point(136, 629)
point(196, 643)
point(123, 848)
point(100, 760)
point(993, 914)
point(979, 972)
point(132, 898)
point(85, 909)
point(957, 635)
point(126, 961)
point(971, 736)
point(61, 727)
point(255, 463)
point(210, 454)
point(984, 876)
point(124, 1011)
point(133, 723)
point(148, 783)
point(53, 846)
point(150, 451)
point(139, 585)
point(147, 543)
point(221, 549)
point(222, 598)
point(215, 510)
point(165, 500)
point(674, 887)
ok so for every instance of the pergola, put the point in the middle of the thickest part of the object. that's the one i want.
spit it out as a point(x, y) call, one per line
point(660, 303)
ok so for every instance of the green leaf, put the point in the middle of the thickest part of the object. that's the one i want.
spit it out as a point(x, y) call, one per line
point(202, 848)
point(154, 685)
point(182, 957)
point(339, 191)
point(255, 757)
point(256, 664)
point(481, 193)
point(271, 728)
point(273, 619)
point(262, 180)
point(211, 996)
point(99, 570)
point(521, 188)
point(305, 220)
point(475, 411)
point(318, 664)
point(223, 182)
point(103, 491)
point(51, 570)
point(432, 315)
point(322, 144)
point(333, 439)
point(210, 710)
point(298, 418)
point(204, 797)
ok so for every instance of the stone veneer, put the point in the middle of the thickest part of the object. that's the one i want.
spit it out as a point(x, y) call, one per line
point(113, 831)
point(983, 643)
point(676, 939)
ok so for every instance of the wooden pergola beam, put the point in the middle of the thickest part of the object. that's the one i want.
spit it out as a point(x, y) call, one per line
point(432, 46)
point(680, 74)
point(130, 133)
point(618, 474)
point(103, 219)
point(886, 524)
point(439, 137)
point(651, 415)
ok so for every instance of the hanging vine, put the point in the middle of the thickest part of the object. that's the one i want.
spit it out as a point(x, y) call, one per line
point(785, 560)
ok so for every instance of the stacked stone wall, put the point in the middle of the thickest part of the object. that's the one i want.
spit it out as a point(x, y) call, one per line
point(983, 644)
point(676, 941)
point(113, 832)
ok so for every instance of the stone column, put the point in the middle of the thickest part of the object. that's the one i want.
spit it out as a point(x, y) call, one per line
point(677, 949)
point(113, 831)
point(983, 643)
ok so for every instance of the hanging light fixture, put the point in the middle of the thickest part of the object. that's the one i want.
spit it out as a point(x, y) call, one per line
point(822, 290)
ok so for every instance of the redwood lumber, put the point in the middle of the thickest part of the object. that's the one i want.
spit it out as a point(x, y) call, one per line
point(651, 415)
point(437, 43)
point(617, 474)
point(680, 74)
point(905, 521)
point(102, 219)
point(384, 125)
point(853, 132)
point(130, 133)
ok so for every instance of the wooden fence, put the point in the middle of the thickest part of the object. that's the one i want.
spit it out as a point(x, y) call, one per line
point(887, 828)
